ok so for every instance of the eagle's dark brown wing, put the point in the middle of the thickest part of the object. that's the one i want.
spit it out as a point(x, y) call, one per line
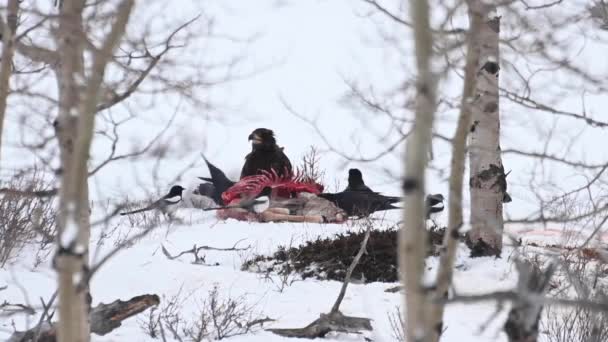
point(258, 161)
point(248, 167)
point(281, 163)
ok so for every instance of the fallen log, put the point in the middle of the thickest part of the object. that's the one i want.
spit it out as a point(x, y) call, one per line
point(326, 323)
point(104, 318)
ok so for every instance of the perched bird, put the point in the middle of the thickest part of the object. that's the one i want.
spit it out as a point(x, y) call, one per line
point(265, 155)
point(364, 203)
point(355, 181)
point(361, 203)
point(434, 204)
point(165, 204)
point(358, 199)
point(219, 183)
point(257, 204)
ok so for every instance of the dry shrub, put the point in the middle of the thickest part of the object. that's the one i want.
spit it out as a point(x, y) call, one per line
point(578, 324)
point(26, 220)
point(328, 258)
point(310, 166)
point(216, 319)
point(582, 277)
point(397, 322)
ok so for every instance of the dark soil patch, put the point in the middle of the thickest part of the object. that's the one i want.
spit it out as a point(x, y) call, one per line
point(481, 248)
point(329, 258)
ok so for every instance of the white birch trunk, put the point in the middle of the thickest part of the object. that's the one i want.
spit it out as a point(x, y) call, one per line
point(487, 178)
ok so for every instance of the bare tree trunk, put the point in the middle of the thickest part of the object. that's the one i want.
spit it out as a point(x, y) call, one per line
point(412, 249)
point(74, 129)
point(9, 28)
point(487, 176)
point(72, 224)
point(524, 316)
point(455, 220)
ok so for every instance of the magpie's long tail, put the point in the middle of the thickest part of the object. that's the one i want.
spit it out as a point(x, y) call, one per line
point(389, 207)
point(137, 211)
point(206, 179)
point(393, 199)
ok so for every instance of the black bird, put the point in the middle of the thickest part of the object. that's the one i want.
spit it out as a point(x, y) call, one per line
point(355, 181)
point(364, 203)
point(434, 204)
point(165, 204)
point(219, 183)
point(257, 204)
point(265, 155)
point(361, 203)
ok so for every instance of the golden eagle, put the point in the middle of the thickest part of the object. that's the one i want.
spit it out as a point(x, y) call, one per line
point(265, 155)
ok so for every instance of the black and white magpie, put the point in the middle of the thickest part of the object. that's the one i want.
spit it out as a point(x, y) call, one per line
point(165, 204)
point(355, 181)
point(434, 204)
point(219, 183)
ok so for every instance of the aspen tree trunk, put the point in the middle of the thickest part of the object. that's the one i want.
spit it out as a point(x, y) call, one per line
point(455, 220)
point(78, 97)
point(413, 235)
point(487, 178)
point(9, 28)
point(73, 225)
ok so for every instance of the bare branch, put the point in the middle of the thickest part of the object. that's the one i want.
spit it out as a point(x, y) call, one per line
point(533, 104)
point(26, 193)
point(541, 156)
point(117, 98)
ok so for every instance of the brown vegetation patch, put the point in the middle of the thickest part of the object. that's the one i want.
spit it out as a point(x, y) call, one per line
point(329, 258)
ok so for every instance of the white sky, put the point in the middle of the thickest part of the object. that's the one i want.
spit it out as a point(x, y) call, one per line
point(303, 52)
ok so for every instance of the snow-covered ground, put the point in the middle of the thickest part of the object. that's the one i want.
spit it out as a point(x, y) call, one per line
point(143, 268)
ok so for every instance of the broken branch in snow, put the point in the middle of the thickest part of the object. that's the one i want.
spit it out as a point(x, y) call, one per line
point(45, 314)
point(104, 318)
point(107, 317)
point(334, 320)
point(200, 260)
point(394, 289)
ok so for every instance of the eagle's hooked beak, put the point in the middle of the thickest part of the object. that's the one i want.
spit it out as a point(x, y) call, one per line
point(255, 139)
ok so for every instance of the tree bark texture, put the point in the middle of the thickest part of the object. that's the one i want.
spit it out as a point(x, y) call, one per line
point(9, 30)
point(523, 321)
point(487, 177)
point(78, 98)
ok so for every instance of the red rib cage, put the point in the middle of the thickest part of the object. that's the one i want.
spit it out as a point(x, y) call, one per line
point(281, 186)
